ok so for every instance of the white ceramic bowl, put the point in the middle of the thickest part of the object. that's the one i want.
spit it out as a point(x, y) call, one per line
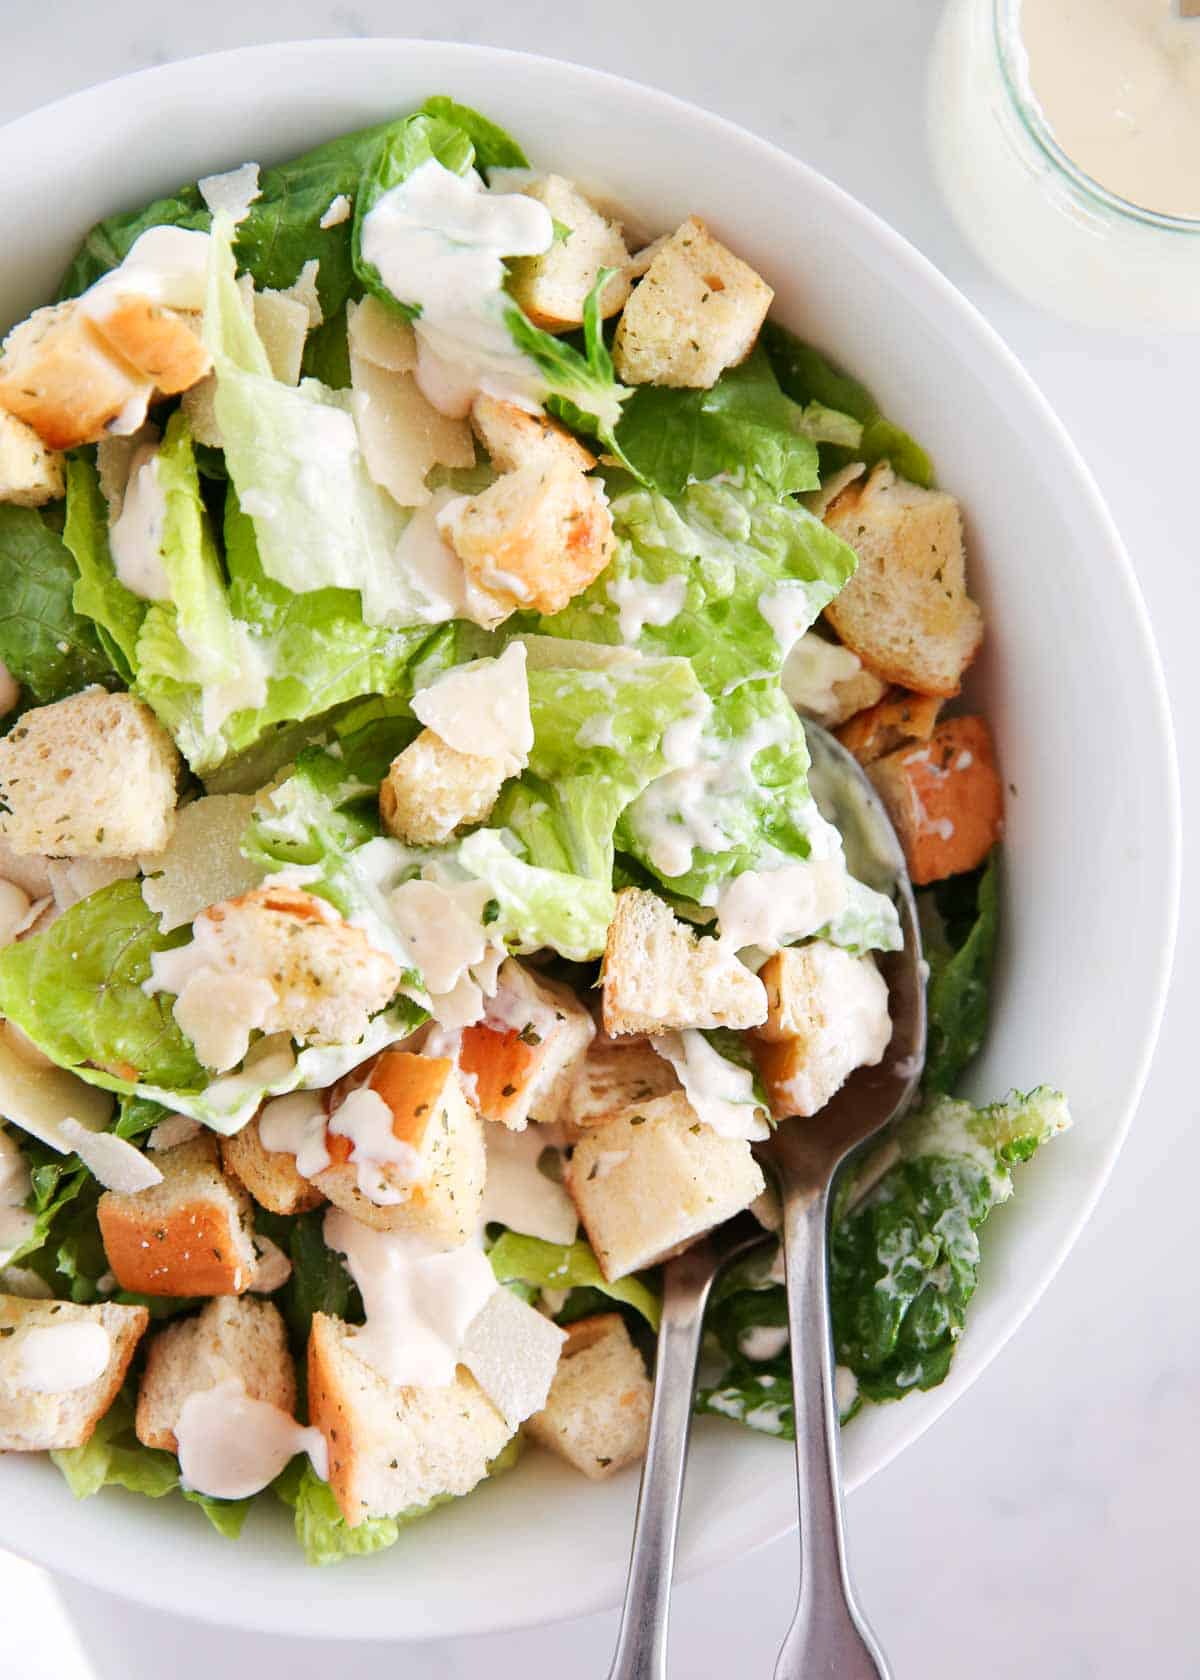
point(1093, 828)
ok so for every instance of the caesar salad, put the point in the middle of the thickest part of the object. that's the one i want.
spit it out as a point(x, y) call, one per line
point(413, 904)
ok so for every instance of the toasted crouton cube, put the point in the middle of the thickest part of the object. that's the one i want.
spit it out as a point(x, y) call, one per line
point(60, 377)
point(944, 798)
point(553, 288)
point(906, 610)
point(696, 313)
point(270, 1175)
point(432, 789)
point(522, 1056)
point(90, 776)
point(513, 437)
point(30, 474)
point(653, 1180)
point(275, 959)
point(598, 1413)
point(535, 538)
point(432, 1185)
point(658, 976)
point(160, 343)
point(512, 1351)
point(228, 1338)
point(828, 682)
point(61, 1366)
point(828, 1015)
point(893, 723)
point(615, 1074)
point(390, 1448)
point(190, 1235)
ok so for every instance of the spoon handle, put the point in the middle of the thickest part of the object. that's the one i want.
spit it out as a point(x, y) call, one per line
point(641, 1652)
point(828, 1636)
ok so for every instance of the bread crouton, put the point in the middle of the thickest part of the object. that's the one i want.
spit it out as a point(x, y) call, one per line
point(536, 537)
point(906, 610)
point(275, 959)
point(30, 474)
point(828, 682)
point(828, 1014)
point(90, 776)
point(162, 344)
point(696, 312)
point(190, 1235)
point(391, 1449)
point(654, 1179)
point(945, 799)
point(598, 1414)
point(229, 1337)
point(410, 1156)
point(522, 1056)
point(60, 377)
point(552, 288)
point(614, 1074)
point(513, 438)
point(270, 1175)
point(895, 722)
point(658, 976)
point(45, 1348)
point(432, 789)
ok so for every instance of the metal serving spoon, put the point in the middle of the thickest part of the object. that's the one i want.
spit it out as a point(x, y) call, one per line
point(829, 1635)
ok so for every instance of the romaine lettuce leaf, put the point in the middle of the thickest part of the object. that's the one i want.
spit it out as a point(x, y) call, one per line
point(958, 927)
point(47, 646)
point(99, 594)
point(742, 425)
point(494, 148)
point(518, 1259)
point(808, 378)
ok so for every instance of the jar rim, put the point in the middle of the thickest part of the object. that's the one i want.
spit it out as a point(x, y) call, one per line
point(1014, 67)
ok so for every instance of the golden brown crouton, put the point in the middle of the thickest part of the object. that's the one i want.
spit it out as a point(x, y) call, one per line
point(697, 312)
point(269, 1175)
point(513, 437)
point(230, 1337)
point(906, 610)
point(828, 1014)
point(30, 474)
point(597, 1416)
point(893, 723)
point(614, 1074)
point(39, 1345)
point(945, 799)
point(60, 377)
point(162, 344)
point(432, 789)
point(658, 976)
point(553, 288)
point(522, 1059)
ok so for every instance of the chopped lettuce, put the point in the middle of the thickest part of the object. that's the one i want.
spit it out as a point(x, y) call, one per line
point(547, 1265)
point(44, 642)
point(581, 387)
point(809, 378)
point(742, 425)
point(958, 929)
point(99, 594)
point(494, 148)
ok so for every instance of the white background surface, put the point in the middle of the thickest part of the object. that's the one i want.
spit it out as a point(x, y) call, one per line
point(1047, 1526)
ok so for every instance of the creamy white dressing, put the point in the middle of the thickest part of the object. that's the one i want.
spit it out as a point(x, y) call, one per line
point(367, 1121)
point(812, 671)
point(597, 731)
point(295, 1125)
point(439, 241)
point(135, 539)
point(845, 1388)
point(516, 1193)
point(1119, 85)
point(482, 708)
point(168, 265)
point(232, 192)
point(18, 912)
point(640, 602)
point(775, 907)
point(787, 610)
point(10, 690)
point(419, 1303)
point(56, 1358)
point(720, 1092)
point(763, 1341)
point(112, 1160)
point(231, 1446)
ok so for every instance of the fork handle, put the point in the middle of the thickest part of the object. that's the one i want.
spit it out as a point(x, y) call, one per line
point(641, 1652)
point(829, 1636)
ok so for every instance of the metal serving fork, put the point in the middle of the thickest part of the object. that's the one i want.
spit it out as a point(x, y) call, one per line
point(829, 1635)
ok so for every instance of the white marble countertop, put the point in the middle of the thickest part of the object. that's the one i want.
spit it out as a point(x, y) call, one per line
point(1048, 1525)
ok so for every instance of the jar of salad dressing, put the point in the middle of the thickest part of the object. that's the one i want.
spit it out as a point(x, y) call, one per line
point(1066, 138)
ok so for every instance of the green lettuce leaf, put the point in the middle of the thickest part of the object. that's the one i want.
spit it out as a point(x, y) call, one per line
point(581, 387)
point(743, 424)
point(808, 377)
point(99, 594)
point(904, 1261)
point(494, 148)
point(47, 646)
point(324, 1533)
point(518, 1259)
point(958, 928)
point(76, 991)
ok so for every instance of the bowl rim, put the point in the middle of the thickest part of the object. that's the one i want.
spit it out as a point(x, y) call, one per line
point(92, 1570)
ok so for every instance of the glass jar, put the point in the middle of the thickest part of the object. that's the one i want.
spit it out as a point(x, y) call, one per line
point(1033, 215)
